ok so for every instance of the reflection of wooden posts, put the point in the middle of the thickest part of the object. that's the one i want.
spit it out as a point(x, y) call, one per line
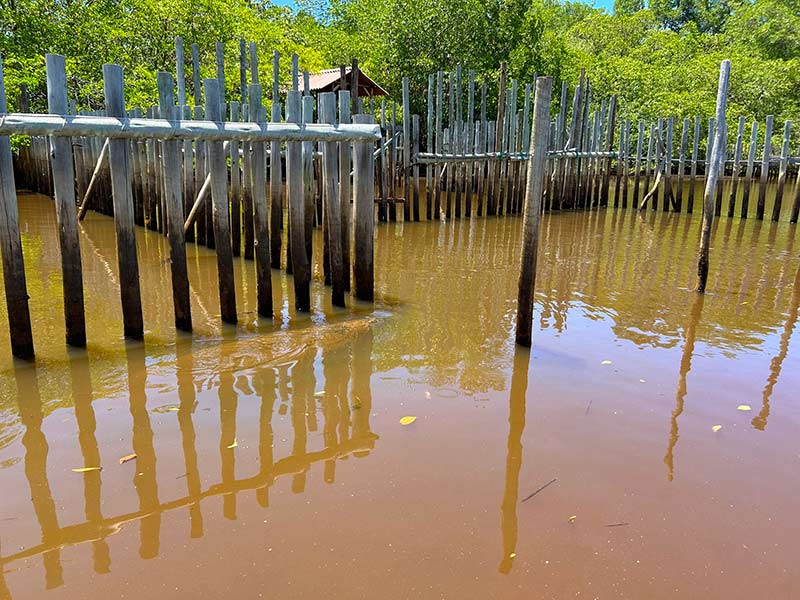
point(685, 367)
point(4, 591)
point(87, 424)
point(186, 396)
point(36, 450)
point(713, 168)
point(533, 203)
point(760, 420)
point(303, 384)
point(264, 383)
point(332, 372)
point(516, 425)
point(227, 436)
point(19, 318)
point(144, 479)
point(361, 370)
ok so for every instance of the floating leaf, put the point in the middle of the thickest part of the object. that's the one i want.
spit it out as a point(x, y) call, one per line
point(743, 407)
point(319, 394)
point(642, 381)
point(606, 362)
point(127, 458)
point(87, 469)
point(173, 409)
point(512, 555)
point(407, 420)
point(428, 395)
point(716, 428)
point(573, 518)
point(233, 445)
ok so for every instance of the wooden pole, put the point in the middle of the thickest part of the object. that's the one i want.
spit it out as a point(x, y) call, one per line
point(532, 211)
point(693, 168)
point(345, 189)
point(364, 201)
point(180, 73)
point(784, 165)
point(682, 164)
point(64, 187)
point(236, 187)
point(327, 114)
point(275, 176)
point(123, 208)
point(498, 141)
point(737, 159)
point(219, 201)
point(294, 185)
point(762, 183)
point(713, 168)
point(637, 166)
point(429, 137)
point(748, 174)
point(258, 177)
point(196, 90)
point(609, 144)
point(407, 195)
point(174, 225)
point(16, 292)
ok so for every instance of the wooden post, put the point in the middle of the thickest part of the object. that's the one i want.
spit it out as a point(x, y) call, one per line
point(19, 318)
point(784, 165)
point(331, 201)
point(198, 100)
point(437, 184)
point(532, 211)
point(364, 200)
point(415, 170)
point(236, 188)
point(220, 63)
point(682, 164)
point(174, 225)
point(354, 87)
point(180, 73)
point(407, 195)
point(294, 185)
point(713, 168)
point(795, 201)
point(498, 141)
point(429, 137)
point(469, 141)
point(188, 177)
point(668, 195)
point(275, 176)
point(693, 169)
point(219, 200)
point(258, 177)
point(308, 184)
point(345, 189)
point(762, 183)
point(737, 159)
point(123, 208)
point(637, 168)
point(748, 174)
point(609, 144)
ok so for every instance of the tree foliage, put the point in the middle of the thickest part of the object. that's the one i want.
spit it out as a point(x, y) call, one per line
point(660, 60)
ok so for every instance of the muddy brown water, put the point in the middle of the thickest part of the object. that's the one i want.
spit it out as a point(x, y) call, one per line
point(271, 461)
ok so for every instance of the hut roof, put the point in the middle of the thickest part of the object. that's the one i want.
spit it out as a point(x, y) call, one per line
point(329, 81)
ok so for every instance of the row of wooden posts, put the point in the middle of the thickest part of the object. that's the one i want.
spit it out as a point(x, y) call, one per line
point(188, 158)
point(469, 167)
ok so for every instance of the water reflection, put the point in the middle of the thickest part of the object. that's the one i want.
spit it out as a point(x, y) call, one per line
point(516, 425)
point(346, 431)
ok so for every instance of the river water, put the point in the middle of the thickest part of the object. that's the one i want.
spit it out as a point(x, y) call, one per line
point(270, 458)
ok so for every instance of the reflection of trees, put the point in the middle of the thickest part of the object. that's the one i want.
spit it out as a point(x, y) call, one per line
point(344, 355)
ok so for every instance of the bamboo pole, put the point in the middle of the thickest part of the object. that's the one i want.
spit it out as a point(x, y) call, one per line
point(713, 169)
point(532, 211)
point(15, 286)
point(174, 221)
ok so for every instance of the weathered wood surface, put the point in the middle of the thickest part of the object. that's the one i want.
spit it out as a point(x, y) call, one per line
point(364, 199)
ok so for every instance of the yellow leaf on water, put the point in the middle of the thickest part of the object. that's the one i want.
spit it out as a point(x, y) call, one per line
point(319, 394)
point(743, 407)
point(233, 445)
point(127, 458)
point(173, 409)
point(407, 420)
point(716, 428)
point(512, 555)
point(573, 518)
point(87, 469)
point(606, 362)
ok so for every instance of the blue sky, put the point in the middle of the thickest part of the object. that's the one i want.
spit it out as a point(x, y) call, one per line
point(607, 4)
